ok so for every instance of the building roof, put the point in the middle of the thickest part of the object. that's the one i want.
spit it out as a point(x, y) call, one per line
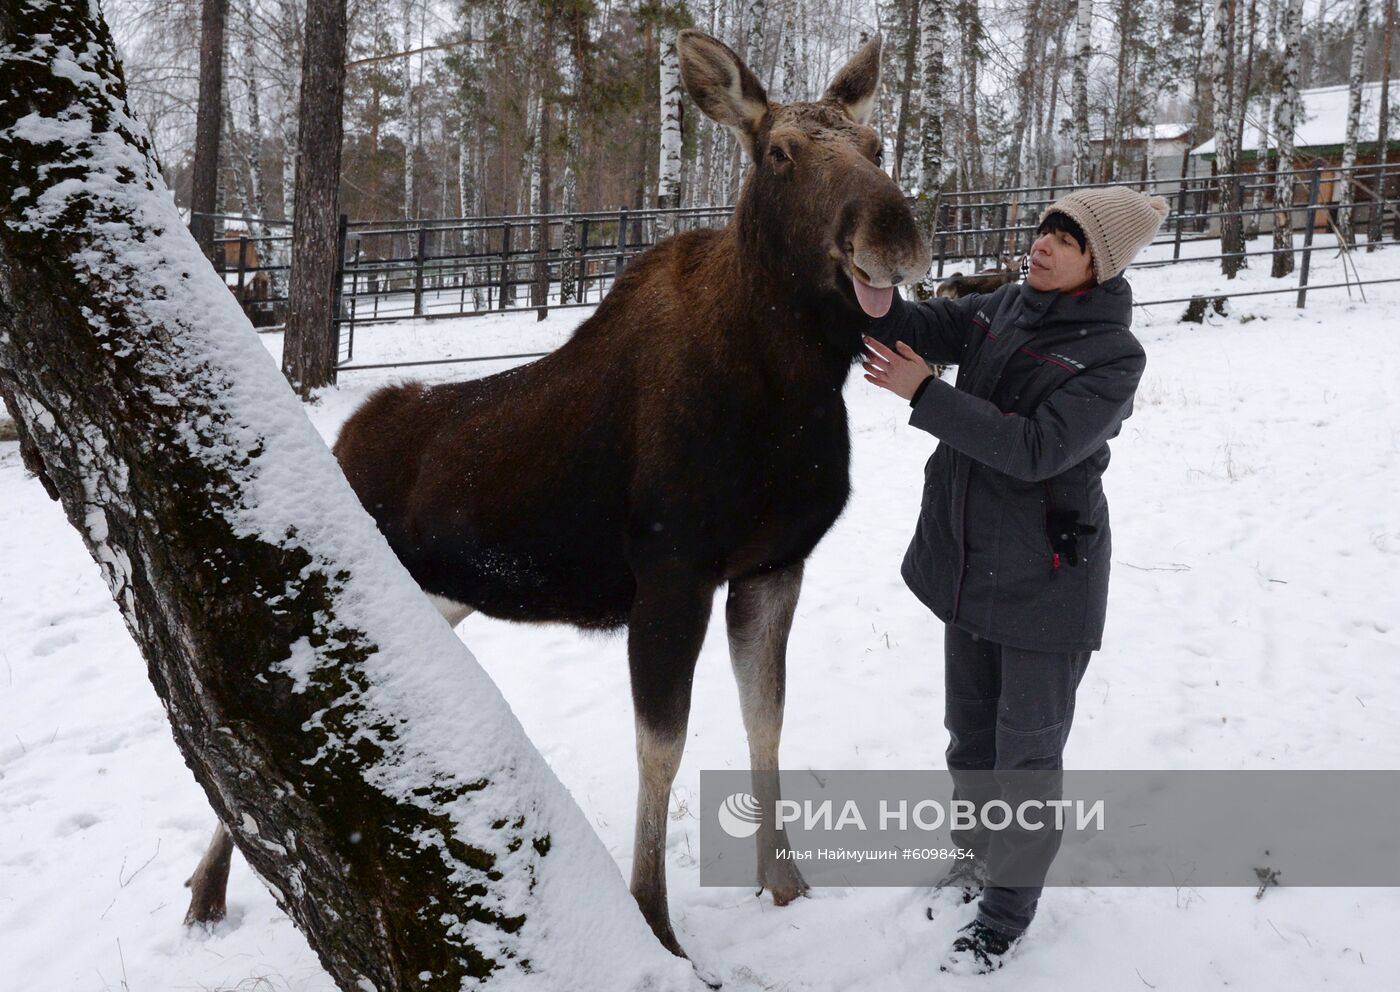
point(1322, 119)
point(1164, 132)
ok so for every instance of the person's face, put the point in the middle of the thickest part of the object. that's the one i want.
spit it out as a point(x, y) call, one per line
point(1058, 264)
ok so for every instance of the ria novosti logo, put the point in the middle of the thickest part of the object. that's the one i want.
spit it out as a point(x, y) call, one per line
point(740, 815)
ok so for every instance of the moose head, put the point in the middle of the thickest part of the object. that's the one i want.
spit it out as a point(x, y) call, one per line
point(817, 214)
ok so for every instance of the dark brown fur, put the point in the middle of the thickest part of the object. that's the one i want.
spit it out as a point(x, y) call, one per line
point(958, 285)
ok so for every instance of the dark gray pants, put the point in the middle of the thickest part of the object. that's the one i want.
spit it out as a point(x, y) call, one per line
point(1007, 709)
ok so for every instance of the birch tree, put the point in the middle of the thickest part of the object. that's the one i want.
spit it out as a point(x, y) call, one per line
point(908, 64)
point(576, 44)
point(1285, 123)
point(1226, 135)
point(408, 118)
point(1080, 101)
point(1376, 232)
point(364, 763)
point(668, 181)
point(1360, 33)
point(1025, 92)
point(1266, 102)
point(931, 151)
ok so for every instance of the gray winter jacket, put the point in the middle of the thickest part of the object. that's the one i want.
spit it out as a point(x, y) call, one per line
point(1013, 539)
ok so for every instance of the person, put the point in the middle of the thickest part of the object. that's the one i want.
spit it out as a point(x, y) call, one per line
point(1011, 550)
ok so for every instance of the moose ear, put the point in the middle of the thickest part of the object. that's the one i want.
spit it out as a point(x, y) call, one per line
point(855, 85)
point(722, 86)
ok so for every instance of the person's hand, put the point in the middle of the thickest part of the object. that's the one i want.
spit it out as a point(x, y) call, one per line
point(901, 371)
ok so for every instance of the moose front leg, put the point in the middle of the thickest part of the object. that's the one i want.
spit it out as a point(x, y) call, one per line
point(666, 628)
point(759, 616)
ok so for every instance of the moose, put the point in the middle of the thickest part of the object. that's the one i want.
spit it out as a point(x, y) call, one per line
point(690, 434)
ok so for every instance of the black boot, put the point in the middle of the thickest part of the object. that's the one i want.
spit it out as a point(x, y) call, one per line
point(977, 950)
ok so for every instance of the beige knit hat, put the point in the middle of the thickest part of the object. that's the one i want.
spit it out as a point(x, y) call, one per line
point(1117, 221)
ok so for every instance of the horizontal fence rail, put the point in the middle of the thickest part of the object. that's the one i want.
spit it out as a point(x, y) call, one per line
point(468, 266)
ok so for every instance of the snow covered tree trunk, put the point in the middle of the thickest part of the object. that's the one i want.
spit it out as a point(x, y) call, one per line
point(364, 763)
point(1360, 33)
point(668, 175)
point(1083, 20)
point(209, 121)
point(1376, 232)
point(1285, 123)
point(308, 346)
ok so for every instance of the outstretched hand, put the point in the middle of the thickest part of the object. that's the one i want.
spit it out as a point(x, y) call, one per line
point(901, 371)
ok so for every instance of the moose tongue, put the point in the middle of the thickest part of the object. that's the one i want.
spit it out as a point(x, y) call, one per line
point(875, 302)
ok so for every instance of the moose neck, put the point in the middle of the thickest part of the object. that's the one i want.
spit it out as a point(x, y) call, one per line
point(785, 280)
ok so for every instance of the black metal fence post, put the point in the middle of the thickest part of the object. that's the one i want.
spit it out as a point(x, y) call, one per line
point(1180, 218)
point(583, 262)
point(1314, 187)
point(340, 230)
point(621, 242)
point(505, 266)
point(944, 219)
point(419, 252)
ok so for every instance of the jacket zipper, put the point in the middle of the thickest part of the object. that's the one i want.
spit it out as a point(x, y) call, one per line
point(1054, 555)
point(962, 544)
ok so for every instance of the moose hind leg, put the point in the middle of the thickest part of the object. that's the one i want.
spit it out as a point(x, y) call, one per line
point(209, 884)
point(666, 628)
point(759, 616)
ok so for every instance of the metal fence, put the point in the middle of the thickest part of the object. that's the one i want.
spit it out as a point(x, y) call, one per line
point(460, 267)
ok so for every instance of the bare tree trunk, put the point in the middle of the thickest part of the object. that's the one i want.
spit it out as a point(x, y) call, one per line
point(1360, 33)
point(792, 89)
point(364, 764)
point(1226, 150)
point(1025, 93)
point(1080, 101)
point(573, 124)
point(971, 18)
point(308, 348)
point(931, 151)
point(1285, 123)
point(407, 125)
point(910, 58)
point(204, 183)
point(1375, 233)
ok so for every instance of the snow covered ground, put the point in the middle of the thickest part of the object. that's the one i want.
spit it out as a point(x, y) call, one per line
point(1254, 623)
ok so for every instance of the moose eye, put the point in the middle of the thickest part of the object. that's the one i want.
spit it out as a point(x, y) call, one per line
point(778, 155)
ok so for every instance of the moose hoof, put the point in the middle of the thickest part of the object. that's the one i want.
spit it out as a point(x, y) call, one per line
point(667, 936)
point(204, 911)
point(707, 976)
